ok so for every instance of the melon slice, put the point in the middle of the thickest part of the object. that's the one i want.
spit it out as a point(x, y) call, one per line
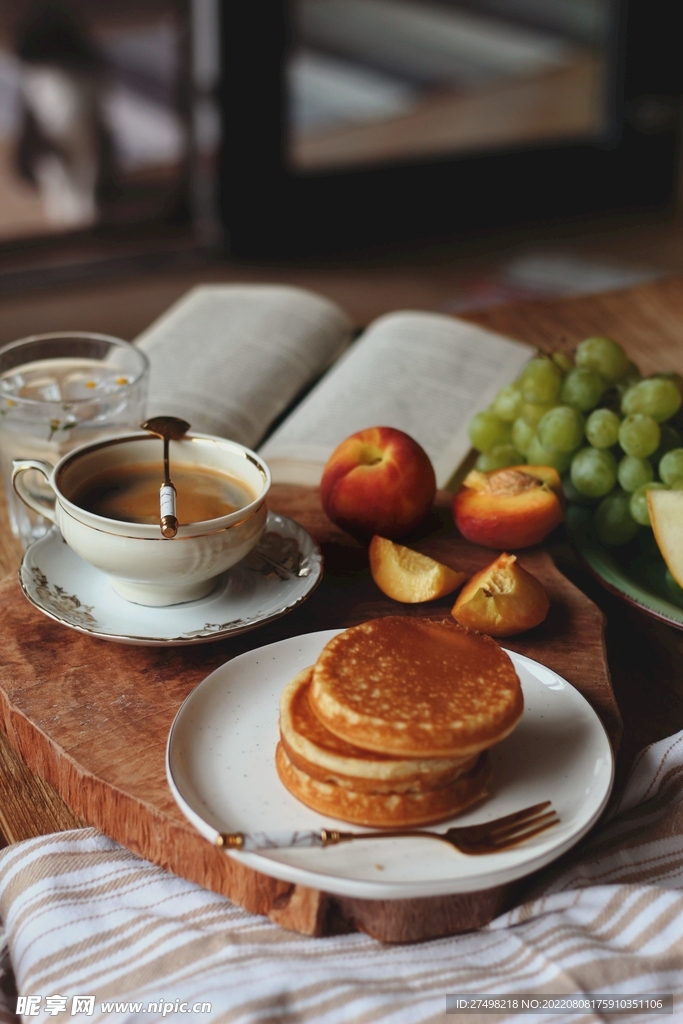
point(666, 517)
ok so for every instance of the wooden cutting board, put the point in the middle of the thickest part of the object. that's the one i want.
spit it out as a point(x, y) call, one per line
point(93, 717)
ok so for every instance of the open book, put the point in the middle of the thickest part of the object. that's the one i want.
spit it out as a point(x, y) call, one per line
point(231, 359)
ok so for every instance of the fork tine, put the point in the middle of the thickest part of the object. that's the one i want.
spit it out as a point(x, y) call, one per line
point(492, 844)
point(510, 836)
point(522, 837)
point(516, 816)
point(509, 830)
point(486, 828)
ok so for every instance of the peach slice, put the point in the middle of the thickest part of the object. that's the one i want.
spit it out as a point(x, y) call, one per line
point(408, 576)
point(502, 599)
point(509, 508)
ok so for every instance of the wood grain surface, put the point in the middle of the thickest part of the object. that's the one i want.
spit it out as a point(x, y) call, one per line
point(645, 657)
point(93, 717)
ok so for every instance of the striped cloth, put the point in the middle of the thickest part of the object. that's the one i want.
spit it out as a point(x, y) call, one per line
point(85, 917)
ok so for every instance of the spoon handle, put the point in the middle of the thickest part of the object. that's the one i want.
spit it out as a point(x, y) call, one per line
point(167, 473)
point(167, 510)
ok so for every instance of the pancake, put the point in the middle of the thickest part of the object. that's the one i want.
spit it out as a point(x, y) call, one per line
point(319, 753)
point(414, 687)
point(385, 810)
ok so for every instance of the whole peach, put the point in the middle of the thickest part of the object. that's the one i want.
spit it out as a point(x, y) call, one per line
point(378, 481)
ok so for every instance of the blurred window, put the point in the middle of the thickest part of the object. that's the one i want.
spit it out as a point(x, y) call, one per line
point(94, 114)
point(381, 81)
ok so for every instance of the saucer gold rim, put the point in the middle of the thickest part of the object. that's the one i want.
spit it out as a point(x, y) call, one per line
point(275, 523)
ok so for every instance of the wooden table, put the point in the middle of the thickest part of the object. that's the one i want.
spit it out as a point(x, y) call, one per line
point(646, 657)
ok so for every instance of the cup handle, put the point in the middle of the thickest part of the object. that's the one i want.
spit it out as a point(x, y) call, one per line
point(20, 466)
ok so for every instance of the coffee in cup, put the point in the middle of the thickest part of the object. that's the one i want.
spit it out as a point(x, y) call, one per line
point(107, 509)
point(130, 494)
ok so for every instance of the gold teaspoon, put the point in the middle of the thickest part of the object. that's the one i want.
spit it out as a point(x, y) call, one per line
point(168, 428)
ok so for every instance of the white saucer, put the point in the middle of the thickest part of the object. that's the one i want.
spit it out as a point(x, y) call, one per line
point(220, 765)
point(282, 570)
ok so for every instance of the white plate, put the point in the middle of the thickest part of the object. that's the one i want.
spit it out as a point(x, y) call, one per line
point(282, 571)
point(221, 769)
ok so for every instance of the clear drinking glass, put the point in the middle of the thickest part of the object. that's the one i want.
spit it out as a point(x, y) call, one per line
point(58, 391)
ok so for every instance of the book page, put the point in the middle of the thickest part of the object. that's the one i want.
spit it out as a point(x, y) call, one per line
point(231, 358)
point(423, 373)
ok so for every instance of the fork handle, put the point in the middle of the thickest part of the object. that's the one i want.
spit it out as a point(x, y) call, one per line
point(250, 842)
point(345, 837)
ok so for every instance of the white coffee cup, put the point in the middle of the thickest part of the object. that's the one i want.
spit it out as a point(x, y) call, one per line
point(144, 566)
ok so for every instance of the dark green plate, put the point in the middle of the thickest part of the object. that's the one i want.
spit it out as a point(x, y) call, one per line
point(635, 572)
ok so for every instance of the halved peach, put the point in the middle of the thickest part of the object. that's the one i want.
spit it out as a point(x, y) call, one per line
point(509, 508)
point(408, 576)
point(502, 599)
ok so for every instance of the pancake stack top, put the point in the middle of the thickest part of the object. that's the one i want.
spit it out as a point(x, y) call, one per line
point(391, 725)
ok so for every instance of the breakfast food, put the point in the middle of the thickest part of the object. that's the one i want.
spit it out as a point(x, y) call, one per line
point(408, 576)
point(502, 599)
point(312, 748)
point(509, 508)
point(416, 688)
point(385, 810)
point(392, 724)
point(597, 422)
point(378, 481)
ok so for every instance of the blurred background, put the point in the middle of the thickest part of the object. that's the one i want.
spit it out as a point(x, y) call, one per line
point(167, 136)
point(372, 81)
point(93, 114)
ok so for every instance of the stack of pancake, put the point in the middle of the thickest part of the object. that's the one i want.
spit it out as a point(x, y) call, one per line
point(392, 725)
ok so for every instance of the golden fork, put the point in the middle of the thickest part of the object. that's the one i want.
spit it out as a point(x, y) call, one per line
point(489, 837)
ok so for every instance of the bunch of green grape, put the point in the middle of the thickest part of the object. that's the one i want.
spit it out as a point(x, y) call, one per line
point(611, 434)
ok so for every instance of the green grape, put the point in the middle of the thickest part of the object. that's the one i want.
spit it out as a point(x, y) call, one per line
point(540, 381)
point(486, 431)
point(603, 356)
point(561, 429)
point(508, 403)
point(656, 397)
point(675, 377)
point(602, 428)
point(537, 455)
point(638, 503)
point(564, 361)
point(499, 457)
point(671, 466)
point(522, 435)
point(533, 414)
point(593, 472)
point(614, 523)
point(668, 439)
point(582, 389)
point(639, 435)
point(632, 473)
point(571, 493)
point(631, 377)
